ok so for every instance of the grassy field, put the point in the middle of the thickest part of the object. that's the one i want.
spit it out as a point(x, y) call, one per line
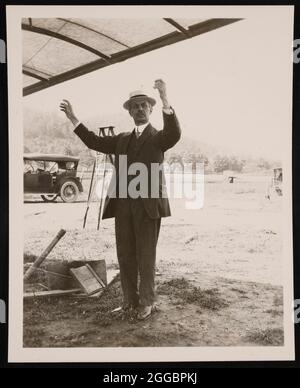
point(218, 274)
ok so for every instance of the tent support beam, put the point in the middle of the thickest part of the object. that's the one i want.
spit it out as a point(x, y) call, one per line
point(178, 26)
point(35, 74)
point(65, 38)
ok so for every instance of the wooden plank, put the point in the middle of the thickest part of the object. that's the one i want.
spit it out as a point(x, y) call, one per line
point(40, 294)
point(86, 279)
point(44, 255)
point(97, 294)
point(53, 273)
point(99, 266)
point(96, 275)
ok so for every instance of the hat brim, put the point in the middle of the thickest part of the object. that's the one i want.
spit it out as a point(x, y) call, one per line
point(127, 103)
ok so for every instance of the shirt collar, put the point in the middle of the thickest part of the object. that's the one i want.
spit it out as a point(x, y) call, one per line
point(141, 127)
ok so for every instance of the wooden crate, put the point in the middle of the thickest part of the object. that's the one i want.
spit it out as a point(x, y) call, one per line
point(87, 279)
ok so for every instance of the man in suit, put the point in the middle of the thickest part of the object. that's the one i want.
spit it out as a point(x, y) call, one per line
point(137, 217)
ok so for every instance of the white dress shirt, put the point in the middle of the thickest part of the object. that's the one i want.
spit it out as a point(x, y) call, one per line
point(139, 129)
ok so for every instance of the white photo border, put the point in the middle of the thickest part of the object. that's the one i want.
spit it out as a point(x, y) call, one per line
point(165, 354)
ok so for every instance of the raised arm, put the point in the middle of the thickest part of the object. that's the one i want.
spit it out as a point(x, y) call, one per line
point(106, 144)
point(171, 132)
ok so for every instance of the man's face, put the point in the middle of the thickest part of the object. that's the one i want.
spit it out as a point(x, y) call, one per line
point(140, 111)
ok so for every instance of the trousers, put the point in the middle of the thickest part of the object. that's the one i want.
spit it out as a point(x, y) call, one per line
point(136, 241)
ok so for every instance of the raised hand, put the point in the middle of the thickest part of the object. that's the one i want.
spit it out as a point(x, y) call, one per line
point(66, 107)
point(160, 85)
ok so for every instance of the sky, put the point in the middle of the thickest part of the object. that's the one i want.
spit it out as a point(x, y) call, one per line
point(228, 87)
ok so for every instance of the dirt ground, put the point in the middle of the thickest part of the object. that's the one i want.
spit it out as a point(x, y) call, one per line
point(218, 274)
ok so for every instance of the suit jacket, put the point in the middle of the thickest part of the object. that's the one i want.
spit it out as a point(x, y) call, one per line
point(151, 147)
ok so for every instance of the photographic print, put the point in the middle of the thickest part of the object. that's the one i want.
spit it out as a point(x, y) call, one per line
point(150, 183)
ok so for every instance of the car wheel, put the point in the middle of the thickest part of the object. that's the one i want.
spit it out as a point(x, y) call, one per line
point(69, 192)
point(49, 197)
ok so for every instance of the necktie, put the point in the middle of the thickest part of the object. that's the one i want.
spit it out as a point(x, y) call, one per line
point(137, 132)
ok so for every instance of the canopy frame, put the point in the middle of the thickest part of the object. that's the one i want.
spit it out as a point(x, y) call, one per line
point(179, 34)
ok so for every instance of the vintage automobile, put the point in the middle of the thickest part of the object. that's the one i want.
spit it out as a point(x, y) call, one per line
point(52, 176)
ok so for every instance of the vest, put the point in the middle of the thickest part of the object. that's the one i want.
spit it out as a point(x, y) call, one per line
point(132, 149)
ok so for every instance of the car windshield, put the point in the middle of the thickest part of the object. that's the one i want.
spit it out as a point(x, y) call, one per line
point(70, 165)
point(51, 167)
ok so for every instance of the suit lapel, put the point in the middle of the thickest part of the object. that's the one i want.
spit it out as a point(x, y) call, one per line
point(140, 141)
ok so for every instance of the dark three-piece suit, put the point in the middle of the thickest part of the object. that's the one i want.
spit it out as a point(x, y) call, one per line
point(137, 220)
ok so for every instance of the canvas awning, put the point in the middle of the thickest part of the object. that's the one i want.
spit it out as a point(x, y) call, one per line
point(57, 49)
